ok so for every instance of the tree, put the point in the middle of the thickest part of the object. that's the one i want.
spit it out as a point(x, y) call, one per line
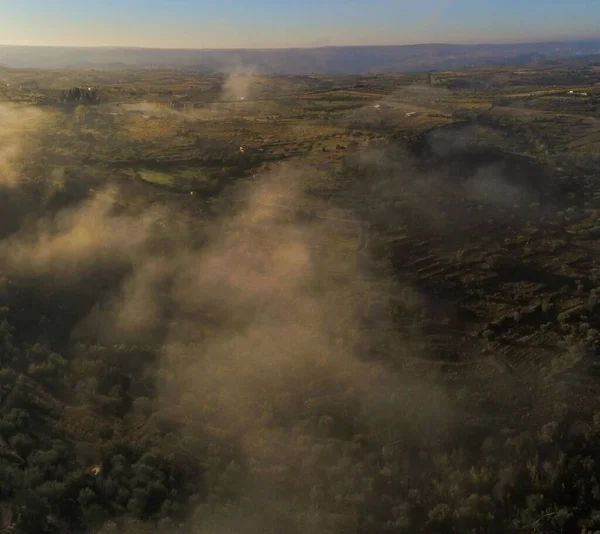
point(8, 352)
point(441, 517)
point(23, 444)
point(143, 405)
point(30, 513)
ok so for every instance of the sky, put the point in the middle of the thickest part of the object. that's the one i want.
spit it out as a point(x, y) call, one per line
point(292, 23)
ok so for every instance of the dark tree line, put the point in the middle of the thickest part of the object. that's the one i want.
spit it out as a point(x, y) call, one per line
point(81, 96)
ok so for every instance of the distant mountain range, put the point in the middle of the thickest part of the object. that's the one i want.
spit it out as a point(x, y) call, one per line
point(325, 60)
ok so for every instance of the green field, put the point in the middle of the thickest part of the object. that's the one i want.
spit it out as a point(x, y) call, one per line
point(158, 178)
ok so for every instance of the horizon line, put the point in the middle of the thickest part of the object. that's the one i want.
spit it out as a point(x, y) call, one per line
point(306, 47)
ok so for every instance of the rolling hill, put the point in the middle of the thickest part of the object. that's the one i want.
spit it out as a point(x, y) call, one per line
point(297, 61)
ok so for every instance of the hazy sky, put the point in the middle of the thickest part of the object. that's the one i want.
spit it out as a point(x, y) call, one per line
point(283, 23)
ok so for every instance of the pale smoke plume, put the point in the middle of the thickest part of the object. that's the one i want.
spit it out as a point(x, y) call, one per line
point(239, 84)
point(79, 239)
point(288, 298)
point(262, 342)
point(287, 348)
point(152, 110)
point(445, 142)
point(137, 306)
point(262, 337)
point(491, 186)
point(16, 124)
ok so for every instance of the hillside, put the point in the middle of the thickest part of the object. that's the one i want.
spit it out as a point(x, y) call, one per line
point(298, 61)
point(337, 304)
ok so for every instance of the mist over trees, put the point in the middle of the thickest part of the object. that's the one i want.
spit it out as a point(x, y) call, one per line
point(332, 321)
